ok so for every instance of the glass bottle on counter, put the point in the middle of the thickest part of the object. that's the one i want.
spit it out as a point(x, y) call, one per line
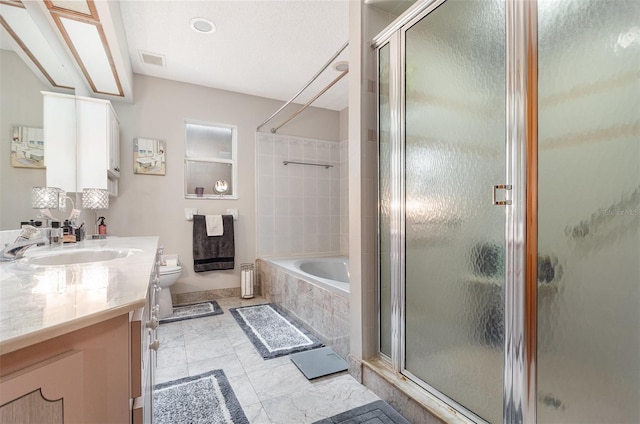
point(55, 236)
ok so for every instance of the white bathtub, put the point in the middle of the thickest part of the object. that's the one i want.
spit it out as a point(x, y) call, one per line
point(331, 273)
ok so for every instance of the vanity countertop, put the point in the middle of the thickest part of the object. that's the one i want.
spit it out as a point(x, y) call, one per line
point(39, 302)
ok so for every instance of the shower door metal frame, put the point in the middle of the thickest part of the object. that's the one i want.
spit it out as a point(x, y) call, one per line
point(521, 230)
point(520, 345)
point(396, 97)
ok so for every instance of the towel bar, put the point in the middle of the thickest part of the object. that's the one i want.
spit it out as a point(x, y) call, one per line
point(325, 165)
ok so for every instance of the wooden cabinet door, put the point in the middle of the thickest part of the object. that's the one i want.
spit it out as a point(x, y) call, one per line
point(50, 391)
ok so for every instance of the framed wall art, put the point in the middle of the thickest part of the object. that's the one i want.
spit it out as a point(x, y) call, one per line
point(27, 147)
point(149, 156)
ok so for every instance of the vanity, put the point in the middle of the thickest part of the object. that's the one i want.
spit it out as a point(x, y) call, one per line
point(78, 332)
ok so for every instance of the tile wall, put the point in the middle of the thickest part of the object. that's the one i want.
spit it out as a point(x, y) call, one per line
point(301, 209)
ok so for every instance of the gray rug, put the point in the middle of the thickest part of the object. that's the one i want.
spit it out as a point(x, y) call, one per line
point(378, 412)
point(202, 399)
point(196, 310)
point(271, 332)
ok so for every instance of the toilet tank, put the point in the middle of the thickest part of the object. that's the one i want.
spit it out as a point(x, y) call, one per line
point(169, 260)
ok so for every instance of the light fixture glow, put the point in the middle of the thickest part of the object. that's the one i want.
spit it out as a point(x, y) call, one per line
point(202, 25)
point(44, 197)
point(95, 198)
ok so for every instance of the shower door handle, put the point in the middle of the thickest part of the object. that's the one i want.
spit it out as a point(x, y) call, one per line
point(494, 197)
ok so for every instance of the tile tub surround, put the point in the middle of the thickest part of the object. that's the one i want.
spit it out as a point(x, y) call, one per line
point(270, 392)
point(301, 208)
point(206, 295)
point(324, 313)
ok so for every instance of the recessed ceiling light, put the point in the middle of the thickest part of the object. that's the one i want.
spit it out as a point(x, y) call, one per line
point(202, 25)
point(341, 66)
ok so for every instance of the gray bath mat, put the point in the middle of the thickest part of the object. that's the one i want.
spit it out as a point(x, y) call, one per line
point(196, 310)
point(378, 412)
point(203, 399)
point(271, 332)
point(318, 362)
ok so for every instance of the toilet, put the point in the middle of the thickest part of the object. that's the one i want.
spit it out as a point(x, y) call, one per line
point(168, 274)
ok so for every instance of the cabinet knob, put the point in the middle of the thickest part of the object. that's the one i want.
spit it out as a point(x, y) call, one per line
point(117, 169)
point(152, 323)
point(155, 345)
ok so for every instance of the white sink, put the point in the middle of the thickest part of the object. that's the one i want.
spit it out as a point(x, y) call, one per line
point(73, 257)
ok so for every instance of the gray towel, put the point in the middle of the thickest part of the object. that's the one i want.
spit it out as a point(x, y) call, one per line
point(212, 253)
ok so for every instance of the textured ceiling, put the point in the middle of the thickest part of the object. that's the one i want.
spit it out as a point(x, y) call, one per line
point(264, 48)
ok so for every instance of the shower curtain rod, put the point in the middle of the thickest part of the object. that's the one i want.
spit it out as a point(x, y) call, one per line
point(331, 84)
point(325, 66)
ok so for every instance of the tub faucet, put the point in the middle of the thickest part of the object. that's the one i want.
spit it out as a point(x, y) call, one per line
point(30, 236)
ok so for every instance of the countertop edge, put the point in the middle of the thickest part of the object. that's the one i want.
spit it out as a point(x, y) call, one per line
point(35, 337)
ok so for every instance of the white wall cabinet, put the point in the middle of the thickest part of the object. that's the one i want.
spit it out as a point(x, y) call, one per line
point(98, 145)
point(82, 143)
point(59, 126)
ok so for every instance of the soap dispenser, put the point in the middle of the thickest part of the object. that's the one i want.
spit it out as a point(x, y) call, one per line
point(102, 227)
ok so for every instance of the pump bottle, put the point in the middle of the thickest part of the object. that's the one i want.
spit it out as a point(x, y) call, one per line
point(102, 227)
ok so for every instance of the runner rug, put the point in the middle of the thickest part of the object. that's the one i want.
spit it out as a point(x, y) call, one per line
point(202, 399)
point(196, 310)
point(271, 332)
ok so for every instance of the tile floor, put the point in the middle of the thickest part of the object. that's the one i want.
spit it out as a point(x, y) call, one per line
point(270, 391)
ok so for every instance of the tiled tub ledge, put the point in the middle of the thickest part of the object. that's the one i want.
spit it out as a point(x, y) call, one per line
point(324, 313)
point(206, 295)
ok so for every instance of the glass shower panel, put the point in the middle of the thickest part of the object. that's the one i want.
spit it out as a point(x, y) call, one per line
point(384, 187)
point(455, 153)
point(589, 212)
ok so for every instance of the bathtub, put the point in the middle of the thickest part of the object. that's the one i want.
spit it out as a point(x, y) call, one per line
point(331, 273)
point(146, 161)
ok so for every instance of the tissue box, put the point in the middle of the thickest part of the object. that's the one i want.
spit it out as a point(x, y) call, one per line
point(170, 260)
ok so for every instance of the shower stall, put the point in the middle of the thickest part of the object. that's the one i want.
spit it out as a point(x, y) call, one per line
point(509, 207)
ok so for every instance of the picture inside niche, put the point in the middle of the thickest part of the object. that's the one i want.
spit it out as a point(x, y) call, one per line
point(27, 147)
point(149, 156)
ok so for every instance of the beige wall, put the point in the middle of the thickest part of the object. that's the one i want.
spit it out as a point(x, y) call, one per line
point(21, 104)
point(344, 124)
point(365, 23)
point(154, 205)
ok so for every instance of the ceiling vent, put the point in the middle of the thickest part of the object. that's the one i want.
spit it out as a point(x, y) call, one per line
point(151, 58)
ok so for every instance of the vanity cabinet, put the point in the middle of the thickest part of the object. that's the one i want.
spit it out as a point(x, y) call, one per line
point(100, 374)
point(144, 327)
point(81, 134)
point(96, 363)
point(87, 369)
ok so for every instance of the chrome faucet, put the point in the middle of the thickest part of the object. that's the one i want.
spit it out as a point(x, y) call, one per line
point(30, 236)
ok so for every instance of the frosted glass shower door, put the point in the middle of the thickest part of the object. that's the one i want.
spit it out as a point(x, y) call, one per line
point(454, 250)
point(589, 211)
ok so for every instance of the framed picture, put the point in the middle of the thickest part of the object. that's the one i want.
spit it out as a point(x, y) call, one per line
point(27, 147)
point(149, 156)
